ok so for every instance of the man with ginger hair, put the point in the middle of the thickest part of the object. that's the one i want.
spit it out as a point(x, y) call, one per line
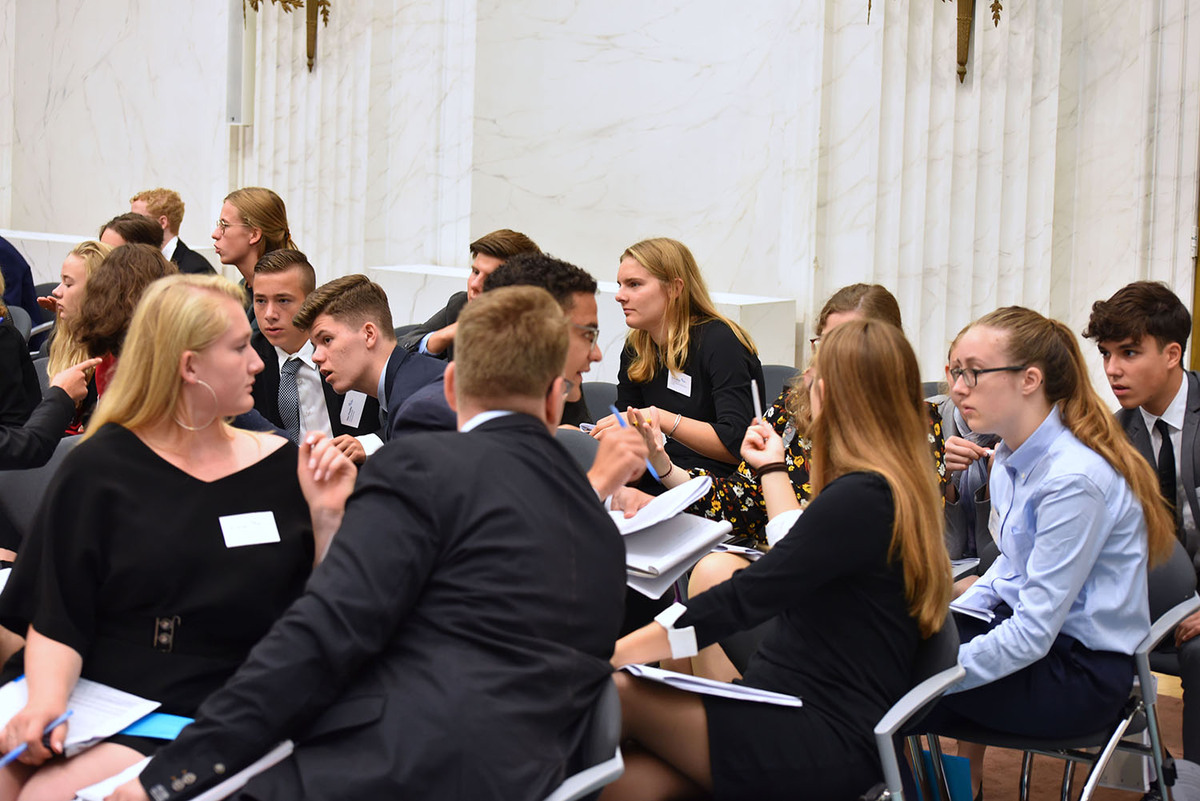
point(165, 207)
point(354, 346)
point(435, 336)
point(457, 635)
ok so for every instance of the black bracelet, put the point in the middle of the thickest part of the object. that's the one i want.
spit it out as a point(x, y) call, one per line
point(771, 467)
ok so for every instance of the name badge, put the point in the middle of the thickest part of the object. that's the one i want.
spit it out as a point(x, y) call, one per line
point(681, 383)
point(352, 408)
point(252, 528)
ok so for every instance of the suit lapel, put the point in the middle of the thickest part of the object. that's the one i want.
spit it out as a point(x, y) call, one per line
point(1188, 445)
point(266, 383)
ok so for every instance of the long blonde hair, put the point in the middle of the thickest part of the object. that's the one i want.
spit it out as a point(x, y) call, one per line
point(873, 419)
point(668, 260)
point(176, 314)
point(1050, 345)
point(65, 349)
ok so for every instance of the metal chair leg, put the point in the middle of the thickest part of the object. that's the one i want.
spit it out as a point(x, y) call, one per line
point(1068, 775)
point(939, 771)
point(912, 747)
point(1026, 771)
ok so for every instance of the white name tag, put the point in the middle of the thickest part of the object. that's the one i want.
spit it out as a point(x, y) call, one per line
point(681, 383)
point(252, 528)
point(352, 407)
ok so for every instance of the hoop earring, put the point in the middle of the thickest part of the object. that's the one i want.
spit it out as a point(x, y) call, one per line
point(187, 427)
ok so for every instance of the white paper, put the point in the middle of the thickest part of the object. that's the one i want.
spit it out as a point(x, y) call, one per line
point(656, 557)
point(102, 789)
point(665, 506)
point(251, 528)
point(961, 567)
point(352, 408)
point(98, 711)
point(977, 612)
point(720, 689)
point(4, 574)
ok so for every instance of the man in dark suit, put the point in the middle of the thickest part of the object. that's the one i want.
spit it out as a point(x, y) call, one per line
point(302, 401)
point(165, 207)
point(354, 347)
point(457, 635)
point(1142, 332)
point(435, 336)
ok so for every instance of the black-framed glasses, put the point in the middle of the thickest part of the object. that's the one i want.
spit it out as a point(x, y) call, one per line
point(813, 342)
point(567, 386)
point(970, 375)
point(590, 332)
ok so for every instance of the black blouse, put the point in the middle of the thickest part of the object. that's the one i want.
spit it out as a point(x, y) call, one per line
point(719, 368)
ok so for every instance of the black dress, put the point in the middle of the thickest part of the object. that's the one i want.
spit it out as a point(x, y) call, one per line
point(20, 391)
point(128, 566)
point(720, 369)
point(841, 639)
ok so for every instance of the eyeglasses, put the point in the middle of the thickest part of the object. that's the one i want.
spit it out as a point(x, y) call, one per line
point(567, 387)
point(813, 342)
point(970, 375)
point(223, 226)
point(590, 332)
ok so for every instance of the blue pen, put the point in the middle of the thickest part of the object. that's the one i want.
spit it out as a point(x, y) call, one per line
point(624, 424)
point(12, 755)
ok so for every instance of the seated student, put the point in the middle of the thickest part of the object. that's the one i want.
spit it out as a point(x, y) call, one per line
point(155, 598)
point(683, 357)
point(165, 207)
point(1079, 514)
point(290, 391)
point(854, 585)
point(458, 633)
point(66, 301)
point(113, 293)
point(435, 336)
point(354, 345)
point(32, 444)
point(131, 229)
point(1142, 332)
point(18, 280)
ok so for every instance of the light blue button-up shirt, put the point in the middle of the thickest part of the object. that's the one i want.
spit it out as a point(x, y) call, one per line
point(1073, 557)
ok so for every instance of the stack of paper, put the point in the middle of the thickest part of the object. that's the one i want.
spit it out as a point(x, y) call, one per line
point(695, 684)
point(97, 711)
point(662, 542)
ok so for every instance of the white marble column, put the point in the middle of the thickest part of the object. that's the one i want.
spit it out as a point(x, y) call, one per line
point(8, 54)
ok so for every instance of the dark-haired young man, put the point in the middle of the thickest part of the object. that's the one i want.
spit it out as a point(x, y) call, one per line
point(435, 336)
point(354, 347)
point(1142, 332)
point(290, 391)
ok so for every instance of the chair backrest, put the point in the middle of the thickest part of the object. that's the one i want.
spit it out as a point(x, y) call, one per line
point(599, 754)
point(580, 445)
point(932, 389)
point(21, 491)
point(599, 396)
point(39, 364)
point(935, 668)
point(21, 320)
point(775, 376)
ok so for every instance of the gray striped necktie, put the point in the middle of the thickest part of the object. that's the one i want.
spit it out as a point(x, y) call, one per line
point(289, 399)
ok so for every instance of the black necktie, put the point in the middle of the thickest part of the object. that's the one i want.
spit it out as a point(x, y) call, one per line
point(1166, 464)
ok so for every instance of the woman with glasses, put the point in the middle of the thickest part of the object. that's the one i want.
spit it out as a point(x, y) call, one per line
point(859, 579)
point(253, 222)
point(685, 365)
point(1051, 626)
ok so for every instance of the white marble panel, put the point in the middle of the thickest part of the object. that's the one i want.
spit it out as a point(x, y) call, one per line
point(416, 291)
point(44, 252)
point(113, 98)
point(8, 54)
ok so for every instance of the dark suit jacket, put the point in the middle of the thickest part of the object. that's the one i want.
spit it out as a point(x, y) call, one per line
point(405, 375)
point(266, 395)
point(411, 341)
point(32, 444)
point(449, 646)
point(189, 261)
point(1135, 428)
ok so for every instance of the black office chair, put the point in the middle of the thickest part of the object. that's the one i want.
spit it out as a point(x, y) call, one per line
point(580, 445)
point(775, 377)
point(21, 320)
point(21, 492)
point(600, 751)
point(599, 396)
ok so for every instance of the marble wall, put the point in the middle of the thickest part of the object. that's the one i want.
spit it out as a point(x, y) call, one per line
point(794, 148)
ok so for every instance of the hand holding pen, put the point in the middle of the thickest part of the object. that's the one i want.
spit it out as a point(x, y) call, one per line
point(52, 746)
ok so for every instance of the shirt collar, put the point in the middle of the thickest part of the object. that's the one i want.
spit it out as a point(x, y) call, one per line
point(304, 354)
point(381, 390)
point(1175, 410)
point(482, 418)
point(1023, 459)
point(168, 248)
